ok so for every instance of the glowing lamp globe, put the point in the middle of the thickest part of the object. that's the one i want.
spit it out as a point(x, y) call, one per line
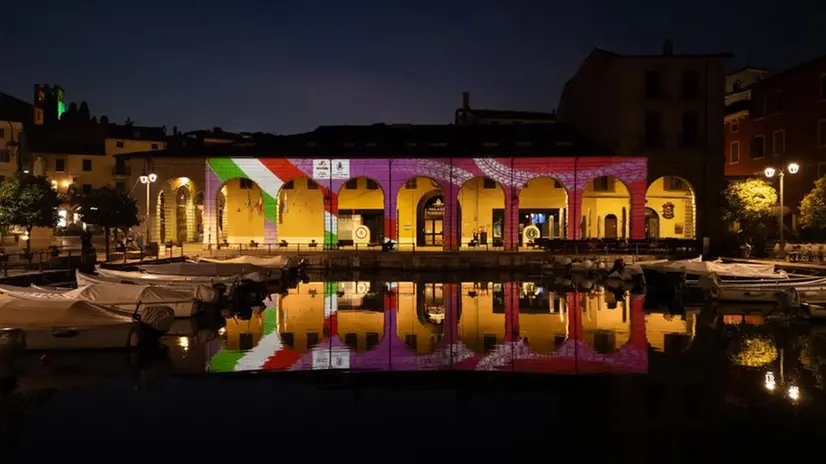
point(793, 168)
point(769, 172)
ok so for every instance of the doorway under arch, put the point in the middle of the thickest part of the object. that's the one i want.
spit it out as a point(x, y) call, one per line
point(673, 200)
point(360, 212)
point(543, 206)
point(652, 224)
point(420, 213)
point(605, 198)
point(182, 203)
point(482, 213)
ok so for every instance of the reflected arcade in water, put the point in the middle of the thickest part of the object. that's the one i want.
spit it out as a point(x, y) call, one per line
point(408, 326)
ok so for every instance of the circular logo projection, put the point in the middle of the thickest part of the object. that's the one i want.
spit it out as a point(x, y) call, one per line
point(362, 233)
point(531, 233)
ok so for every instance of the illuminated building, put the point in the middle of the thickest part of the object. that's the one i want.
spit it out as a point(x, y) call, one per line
point(666, 107)
point(49, 104)
point(782, 121)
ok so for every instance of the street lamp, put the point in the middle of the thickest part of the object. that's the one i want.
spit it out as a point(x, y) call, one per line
point(148, 180)
point(791, 168)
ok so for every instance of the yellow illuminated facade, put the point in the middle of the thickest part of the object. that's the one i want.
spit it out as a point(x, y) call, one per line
point(606, 206)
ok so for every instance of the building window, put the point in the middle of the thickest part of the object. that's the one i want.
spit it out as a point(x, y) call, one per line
point(778, 103)
point(245, 184)
point(87, 165)
point(352, 184)
point(821, 133)
point(734, 152)
point(2, 133)
point(154, 146)
point(2, 179)
point(758, 108)
point(653, 84)
point(372, 185)
point(822, 87)
point(604, 184)
point(691, 85)
point(690, 128)
point(758, 147)
point(735, 126)
point(410, 184)
point(289, 185)
point(488, 183)
point(674, 184)
point(60, 165)
point(5, 156)
point(653, 130)
point(120, 144)
point(778, 142)
point(557, 185)
point(87, 189)
point(120, 187)
point(312, 185)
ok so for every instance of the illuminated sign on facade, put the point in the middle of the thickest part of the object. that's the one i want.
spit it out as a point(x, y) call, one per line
point(337, 169)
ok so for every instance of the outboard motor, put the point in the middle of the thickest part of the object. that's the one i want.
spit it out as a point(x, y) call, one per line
point(152, 324)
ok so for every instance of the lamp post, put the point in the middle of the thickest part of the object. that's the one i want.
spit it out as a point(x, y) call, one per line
point(148, 180)
point(770, 172)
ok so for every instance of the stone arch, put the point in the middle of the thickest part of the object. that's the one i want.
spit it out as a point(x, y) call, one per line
point(543, 206)
point(674, 201)
point(240, 212)
point(605, 197)
point(481, 213)
point(420, 213)
point(301, 216)
point(360, 212)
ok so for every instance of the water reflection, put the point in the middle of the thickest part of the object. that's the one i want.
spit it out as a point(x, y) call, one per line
point(399, 326)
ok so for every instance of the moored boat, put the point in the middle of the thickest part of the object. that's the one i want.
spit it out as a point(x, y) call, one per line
point(120, 298)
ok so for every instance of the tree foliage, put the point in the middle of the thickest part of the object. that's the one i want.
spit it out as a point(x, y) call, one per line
point(109, 208)
point(749, 200)
point(28, 201)
point(813, 207)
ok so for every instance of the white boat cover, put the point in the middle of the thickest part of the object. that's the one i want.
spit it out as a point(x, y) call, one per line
point(698, 267)
point(274, 262)
point(202, 292)
point(102, 294)
point(52, 314)
point(160, 278)
point(204, 269)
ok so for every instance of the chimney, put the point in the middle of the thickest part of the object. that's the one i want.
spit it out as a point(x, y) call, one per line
point(668, 47)
point(465, 101)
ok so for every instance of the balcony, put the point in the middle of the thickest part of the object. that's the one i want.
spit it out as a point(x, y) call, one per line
point(121, 171)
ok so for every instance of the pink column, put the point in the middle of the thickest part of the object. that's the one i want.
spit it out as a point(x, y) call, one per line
point(390, 230)
point(451, 220)
point(511, 219)
point(638, 336)
point(511, 311)
point(574, 213)
point(637, 212)
point(575, 303)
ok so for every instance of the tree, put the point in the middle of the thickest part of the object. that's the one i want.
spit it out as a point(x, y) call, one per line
point(83, 113)
point(28, 201)
point(813, 207)
point(104, 120)
point(749, 201)
point(109, 208)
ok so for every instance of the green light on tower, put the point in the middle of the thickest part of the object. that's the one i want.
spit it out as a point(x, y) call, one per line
point(61, 108)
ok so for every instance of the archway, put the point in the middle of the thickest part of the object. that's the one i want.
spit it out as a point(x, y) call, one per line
point(482, 213)
point(606, 209)
point(420, 213)
point(301, 212)
point(301, 315)
point(543, 322)
point(672, 199)
point(182, 204)
point(652, 223)
point(482, 324)
point(360, 212)
point(360, 314)
point(543, 206)
point(240, 204)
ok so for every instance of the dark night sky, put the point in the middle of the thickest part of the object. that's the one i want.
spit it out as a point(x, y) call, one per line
point(255, 66)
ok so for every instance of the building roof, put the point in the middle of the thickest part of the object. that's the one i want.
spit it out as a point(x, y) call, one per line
point(131, 132)
point(664, 55)
point(507, 114)
point(399, 140)
point(15, 109)
point(747, 68)
point(72, 140)
point(800, 67)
